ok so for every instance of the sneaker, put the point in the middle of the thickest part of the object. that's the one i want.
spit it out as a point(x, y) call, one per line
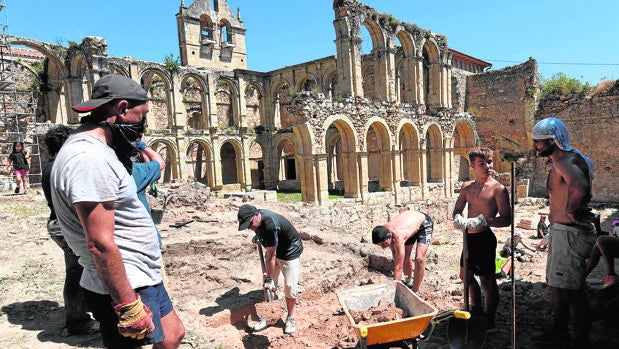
point(290, 326)
point(17, 190)
point(553, 337)
point(609, 281)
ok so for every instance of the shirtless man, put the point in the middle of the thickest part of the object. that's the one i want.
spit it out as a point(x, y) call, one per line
point(571, 231)
point(400, 234)
point(488, 206)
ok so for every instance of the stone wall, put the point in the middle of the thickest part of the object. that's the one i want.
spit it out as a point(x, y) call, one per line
point(593, 124)
point(502, 102)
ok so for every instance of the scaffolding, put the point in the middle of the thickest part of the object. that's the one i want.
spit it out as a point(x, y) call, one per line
point(17, 113)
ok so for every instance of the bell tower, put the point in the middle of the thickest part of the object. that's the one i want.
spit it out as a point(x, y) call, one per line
point(210, 35)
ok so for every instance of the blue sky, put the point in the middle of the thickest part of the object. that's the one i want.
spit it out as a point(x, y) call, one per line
point(576, 37)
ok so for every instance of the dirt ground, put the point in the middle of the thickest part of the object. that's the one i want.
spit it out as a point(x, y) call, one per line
point(213, 276)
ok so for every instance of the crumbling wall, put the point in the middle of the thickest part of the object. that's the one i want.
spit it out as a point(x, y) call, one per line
point(503, 103)
point(593, 123)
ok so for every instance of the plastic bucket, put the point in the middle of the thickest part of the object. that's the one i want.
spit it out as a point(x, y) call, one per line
point(156, 214)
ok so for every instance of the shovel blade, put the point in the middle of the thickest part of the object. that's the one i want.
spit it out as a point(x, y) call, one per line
point(466, 334)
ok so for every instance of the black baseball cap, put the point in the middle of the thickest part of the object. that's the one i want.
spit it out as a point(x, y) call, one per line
point(109, 87)
point(246, 212)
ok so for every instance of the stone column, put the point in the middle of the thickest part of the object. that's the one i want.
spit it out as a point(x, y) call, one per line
point(396, 172)
point(384, 75)
point(348, 48)
point(308, 179)
point(419, 84)
point(386, 177)
point(322, 178)
point(423, 171)
point(362, 166)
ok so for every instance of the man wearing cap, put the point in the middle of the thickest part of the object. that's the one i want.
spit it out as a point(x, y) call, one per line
point(571, 231)
point(106, 225)
point(283, 249)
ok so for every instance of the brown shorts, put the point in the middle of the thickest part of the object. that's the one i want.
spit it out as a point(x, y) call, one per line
point(568, 250)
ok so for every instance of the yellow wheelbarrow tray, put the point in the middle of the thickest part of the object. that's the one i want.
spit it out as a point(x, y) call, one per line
point(418, 313)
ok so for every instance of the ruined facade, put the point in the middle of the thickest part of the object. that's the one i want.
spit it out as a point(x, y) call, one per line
point(397, 122)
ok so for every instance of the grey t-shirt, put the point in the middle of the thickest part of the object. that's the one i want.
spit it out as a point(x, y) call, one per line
point(87, 170)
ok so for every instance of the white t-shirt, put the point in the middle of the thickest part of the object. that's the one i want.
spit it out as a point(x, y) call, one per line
point(87, 170)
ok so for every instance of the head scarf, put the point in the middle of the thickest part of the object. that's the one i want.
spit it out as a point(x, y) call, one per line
point(555, 129)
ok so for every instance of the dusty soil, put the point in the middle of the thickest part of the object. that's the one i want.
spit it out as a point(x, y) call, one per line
point(214, 278)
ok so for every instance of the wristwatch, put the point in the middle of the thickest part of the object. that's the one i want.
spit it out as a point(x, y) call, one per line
point(140, 145)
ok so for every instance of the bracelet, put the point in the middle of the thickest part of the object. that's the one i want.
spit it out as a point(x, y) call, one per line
point(140, 145)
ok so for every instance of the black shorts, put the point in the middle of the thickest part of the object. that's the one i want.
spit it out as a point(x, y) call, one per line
point(424, 234)
point(482, 253)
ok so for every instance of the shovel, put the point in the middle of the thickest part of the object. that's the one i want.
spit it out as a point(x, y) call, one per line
point(262, 323)
point(465, 333)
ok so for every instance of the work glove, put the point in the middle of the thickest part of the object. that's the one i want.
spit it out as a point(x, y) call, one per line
point(269, 284)
point(460, 222)
point(478, 221)
point(134, 319)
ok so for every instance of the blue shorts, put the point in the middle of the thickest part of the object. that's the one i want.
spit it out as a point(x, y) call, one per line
point(156, 299)
point(424, 234)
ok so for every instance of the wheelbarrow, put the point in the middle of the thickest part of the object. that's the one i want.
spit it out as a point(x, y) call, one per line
point(419, 321)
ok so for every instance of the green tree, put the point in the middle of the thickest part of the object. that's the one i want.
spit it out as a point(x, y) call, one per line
point(560, 83)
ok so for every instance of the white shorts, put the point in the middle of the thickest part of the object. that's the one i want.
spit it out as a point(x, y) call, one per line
point(291, 270)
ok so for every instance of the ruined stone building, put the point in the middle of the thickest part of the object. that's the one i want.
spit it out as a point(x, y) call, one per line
point(395, 124)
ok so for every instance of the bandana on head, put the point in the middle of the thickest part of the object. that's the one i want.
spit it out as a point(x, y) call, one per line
point(553, 128)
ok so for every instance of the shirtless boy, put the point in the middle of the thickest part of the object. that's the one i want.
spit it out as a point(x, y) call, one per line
point(400, 234)
point(488, 206)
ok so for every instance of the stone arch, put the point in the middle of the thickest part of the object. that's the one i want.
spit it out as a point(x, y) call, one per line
point(58, 108)
point(431, 72)
point(308, 83)
point(227, 101)
point(157, 84)
point(225, 32)
point(464, 139)
point(378, 147)
point(200, 157)
point(343, 154)
point(207, 29)
point(405, 73)
point(281, 94)
point(169, 153)
point(195, 94)
point(329, 87)
point(376, 33)
point(434, 153)
point(231, 164)
point(288, 168)
point(82, 82)
point(369, 79)
point(118, 69)
point(256, 164)
point(254, 105)
point(410, 156)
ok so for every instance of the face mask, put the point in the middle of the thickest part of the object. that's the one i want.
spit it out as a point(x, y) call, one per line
point(124, 137)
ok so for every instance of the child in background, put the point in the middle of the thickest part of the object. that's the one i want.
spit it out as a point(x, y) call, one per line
point(19, 158)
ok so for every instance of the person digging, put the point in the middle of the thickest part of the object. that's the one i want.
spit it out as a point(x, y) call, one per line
point(283, 250)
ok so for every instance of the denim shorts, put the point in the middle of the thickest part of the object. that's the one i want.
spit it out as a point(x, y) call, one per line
point(155, 297)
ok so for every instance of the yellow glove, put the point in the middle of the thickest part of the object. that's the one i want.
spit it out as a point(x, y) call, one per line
point(134, 319)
